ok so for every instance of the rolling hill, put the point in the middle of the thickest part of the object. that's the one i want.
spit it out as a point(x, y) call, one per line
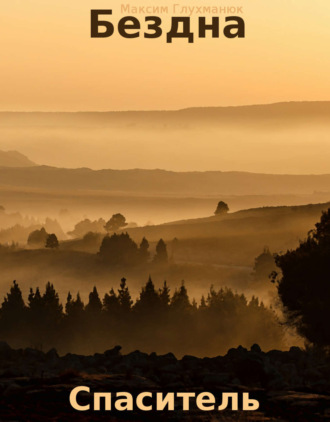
point(14, 159)
point(288, 114)
point(162, 182)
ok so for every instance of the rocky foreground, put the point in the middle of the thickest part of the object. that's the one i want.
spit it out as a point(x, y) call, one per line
point(290, 386)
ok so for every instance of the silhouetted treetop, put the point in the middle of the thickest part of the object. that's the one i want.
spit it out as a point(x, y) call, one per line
point(180, 300)
point(144, 250)
point(164, 295)
point(13, 303)
point(51, 301)
point(264, 265)
point(74, 307)
point(321, 234)
point(161, 256)
point(86, 226)
point(222, 208)
point(124, 296)
point(51, 241)
point(119, 249)
point(111, 304)
point(149, 299)
point(94, 304)
point(38, 237)
point(116, 222)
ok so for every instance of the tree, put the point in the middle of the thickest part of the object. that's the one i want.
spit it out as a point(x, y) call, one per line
point(51, 241)
point(149, 301)
point(144, 250)
point(180, 300)
point(222, 208)
point(37, 237)
point(264, 265)
point(13, 313)
point(74, 308)
point(68, 304)
point(119, 250)
point(52, 309)
point(111, 305)
point(304, 286)
point(34, 301)
point(203, 303)
point(161, 253)
point(87, 226)
point(45, 314)
point(124, 297)
point(13, 305)
point(164, 295)
point(94, 305)
point(116, 222)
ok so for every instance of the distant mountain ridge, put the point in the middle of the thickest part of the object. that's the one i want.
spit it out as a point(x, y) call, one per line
point(14, 159)
point(162, 182)
point(288, 113)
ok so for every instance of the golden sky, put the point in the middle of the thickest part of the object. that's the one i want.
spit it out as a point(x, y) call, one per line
point(49, 62)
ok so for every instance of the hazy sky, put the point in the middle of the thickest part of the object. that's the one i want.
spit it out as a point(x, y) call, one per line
point(49, 62)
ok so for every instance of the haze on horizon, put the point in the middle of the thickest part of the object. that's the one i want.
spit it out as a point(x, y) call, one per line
point(284, 138)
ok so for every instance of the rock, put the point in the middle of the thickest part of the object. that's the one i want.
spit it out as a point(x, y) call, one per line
point(276, 378)
point(294, 350)
point(13, 372)
point(5, 351)
point(256, 349)
point(137, 359)
point(172, 367)
point(52, 355)
point(212, 380)
point(121, 368)
point(251, 371)
point(238, 353)
point(4, 347)
point(12, 390)
point(190, 361)
point(113, 352)
point(70, 361)
point(163, 360)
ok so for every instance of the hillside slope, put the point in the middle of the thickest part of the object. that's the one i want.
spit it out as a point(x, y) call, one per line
point(161, 182)
point(14, 159)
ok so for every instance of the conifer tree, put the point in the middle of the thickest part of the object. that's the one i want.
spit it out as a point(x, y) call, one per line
point(180, 300)
point(111, 305)
point(161, 256)
point(144, 250)
point(149, 300)
point(124, 296)
point(94, 305)
point(74, 308)
point(13, 304)
point(164, 295)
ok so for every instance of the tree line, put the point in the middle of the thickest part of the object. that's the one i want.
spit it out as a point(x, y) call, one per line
point(115, 249)
point(157, 320)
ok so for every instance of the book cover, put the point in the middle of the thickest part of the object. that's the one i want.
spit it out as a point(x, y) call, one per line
point(164, 211)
